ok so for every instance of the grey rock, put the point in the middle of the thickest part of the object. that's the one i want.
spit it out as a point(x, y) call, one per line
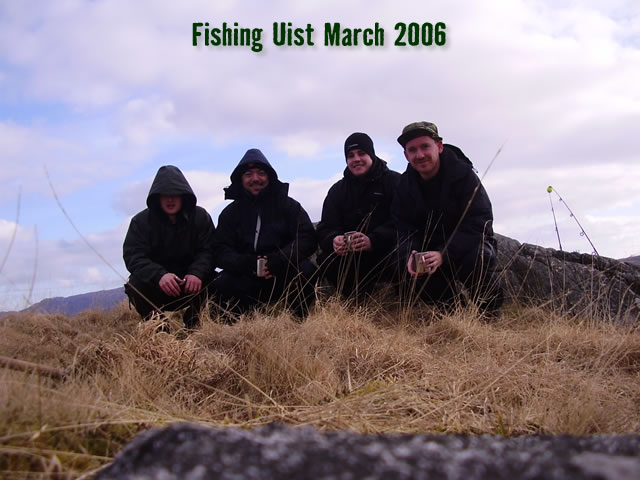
point(194, 452)
point(570, 282)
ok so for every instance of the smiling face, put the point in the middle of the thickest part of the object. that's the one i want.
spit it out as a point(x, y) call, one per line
point(358, 162)
point(255, 180)
point(423, 153)
point(171, 204)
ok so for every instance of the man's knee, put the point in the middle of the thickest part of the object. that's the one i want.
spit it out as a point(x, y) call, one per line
point(478, 273)
point(142, 297)
point(307, 269)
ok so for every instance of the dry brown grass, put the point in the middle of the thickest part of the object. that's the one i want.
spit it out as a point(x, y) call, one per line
point(530, 372)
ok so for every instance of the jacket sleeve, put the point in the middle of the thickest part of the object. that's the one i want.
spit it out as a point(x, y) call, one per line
point(384, 236)
point(330, 223)
point(202, 265)
point(402, 221)
point(304, 242)
point(226, 254)
point(476, 223)
point(136, 251)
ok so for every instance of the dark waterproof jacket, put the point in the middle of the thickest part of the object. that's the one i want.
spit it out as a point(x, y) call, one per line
point(427, 219)
point(360, 204)
point(285, 235)
point(155, 246)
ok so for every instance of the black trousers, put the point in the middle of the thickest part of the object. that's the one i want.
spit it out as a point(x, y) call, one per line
point(148, 298)
point(242, 292)
point(476, 270)
point(356, 274)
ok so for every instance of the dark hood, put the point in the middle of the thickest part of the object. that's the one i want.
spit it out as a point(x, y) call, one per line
point(253, 157)
point(170, 181)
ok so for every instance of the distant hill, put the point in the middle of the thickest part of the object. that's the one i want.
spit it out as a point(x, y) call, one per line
point(101, 300)
point(634, 260)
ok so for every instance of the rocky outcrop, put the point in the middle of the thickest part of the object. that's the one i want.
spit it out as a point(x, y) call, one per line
point(277, 452)
point(570, 282)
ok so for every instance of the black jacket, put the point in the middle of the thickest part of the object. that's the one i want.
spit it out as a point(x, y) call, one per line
point(427, 213)
point(360, 204)
point(155, 246)
point(286, 235)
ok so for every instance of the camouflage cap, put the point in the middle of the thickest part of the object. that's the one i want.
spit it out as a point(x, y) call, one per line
point(418, 129)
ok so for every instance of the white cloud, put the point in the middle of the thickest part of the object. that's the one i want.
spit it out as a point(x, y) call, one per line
point(93, 275)
point(311, 193)
point(298, 145)
point(10, 234)
point(24, 152)
point(395, 161)
point(144, 120)
point(208, 187)
point(132, 197)
point(522, 59)
point(73, 156)
point(8, 230)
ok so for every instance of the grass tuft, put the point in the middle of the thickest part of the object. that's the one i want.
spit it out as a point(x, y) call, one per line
point(374, 370)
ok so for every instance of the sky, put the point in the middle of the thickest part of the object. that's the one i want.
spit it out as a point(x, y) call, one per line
point(96, 95)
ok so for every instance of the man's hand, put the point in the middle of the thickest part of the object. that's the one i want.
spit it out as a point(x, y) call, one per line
point(360, 242)
point(192, 284)
point(267, 273)
point(411, 263)
point(265, 268)
point(431, 261)
point(339, 245)
point(170, 284)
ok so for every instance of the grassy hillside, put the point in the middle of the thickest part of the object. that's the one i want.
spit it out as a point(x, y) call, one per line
point(382, 369)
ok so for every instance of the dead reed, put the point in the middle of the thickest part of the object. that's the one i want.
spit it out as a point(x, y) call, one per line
point(532, 371)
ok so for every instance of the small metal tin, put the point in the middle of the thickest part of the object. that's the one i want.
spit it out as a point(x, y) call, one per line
point(347, 238)
point(260, 266)
point(418, 262)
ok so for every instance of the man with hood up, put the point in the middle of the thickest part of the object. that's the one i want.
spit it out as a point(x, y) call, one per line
point(263, 241)
point(445, 223)
point(168, 250)
point(359, 205)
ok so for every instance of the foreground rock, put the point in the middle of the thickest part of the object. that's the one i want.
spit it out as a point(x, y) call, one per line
point(574, 283)
point(192, 452)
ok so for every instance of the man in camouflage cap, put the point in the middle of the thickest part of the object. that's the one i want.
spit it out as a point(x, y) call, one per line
point(445, 224)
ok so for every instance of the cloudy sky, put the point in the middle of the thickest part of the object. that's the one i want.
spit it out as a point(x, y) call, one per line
point(96, 95)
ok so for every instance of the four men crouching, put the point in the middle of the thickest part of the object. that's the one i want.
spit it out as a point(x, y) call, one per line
point(434, 220)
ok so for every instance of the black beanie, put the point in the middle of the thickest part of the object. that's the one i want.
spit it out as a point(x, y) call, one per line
point(360, 141)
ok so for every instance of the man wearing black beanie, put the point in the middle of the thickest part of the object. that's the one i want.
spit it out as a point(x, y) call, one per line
point(354, 233)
